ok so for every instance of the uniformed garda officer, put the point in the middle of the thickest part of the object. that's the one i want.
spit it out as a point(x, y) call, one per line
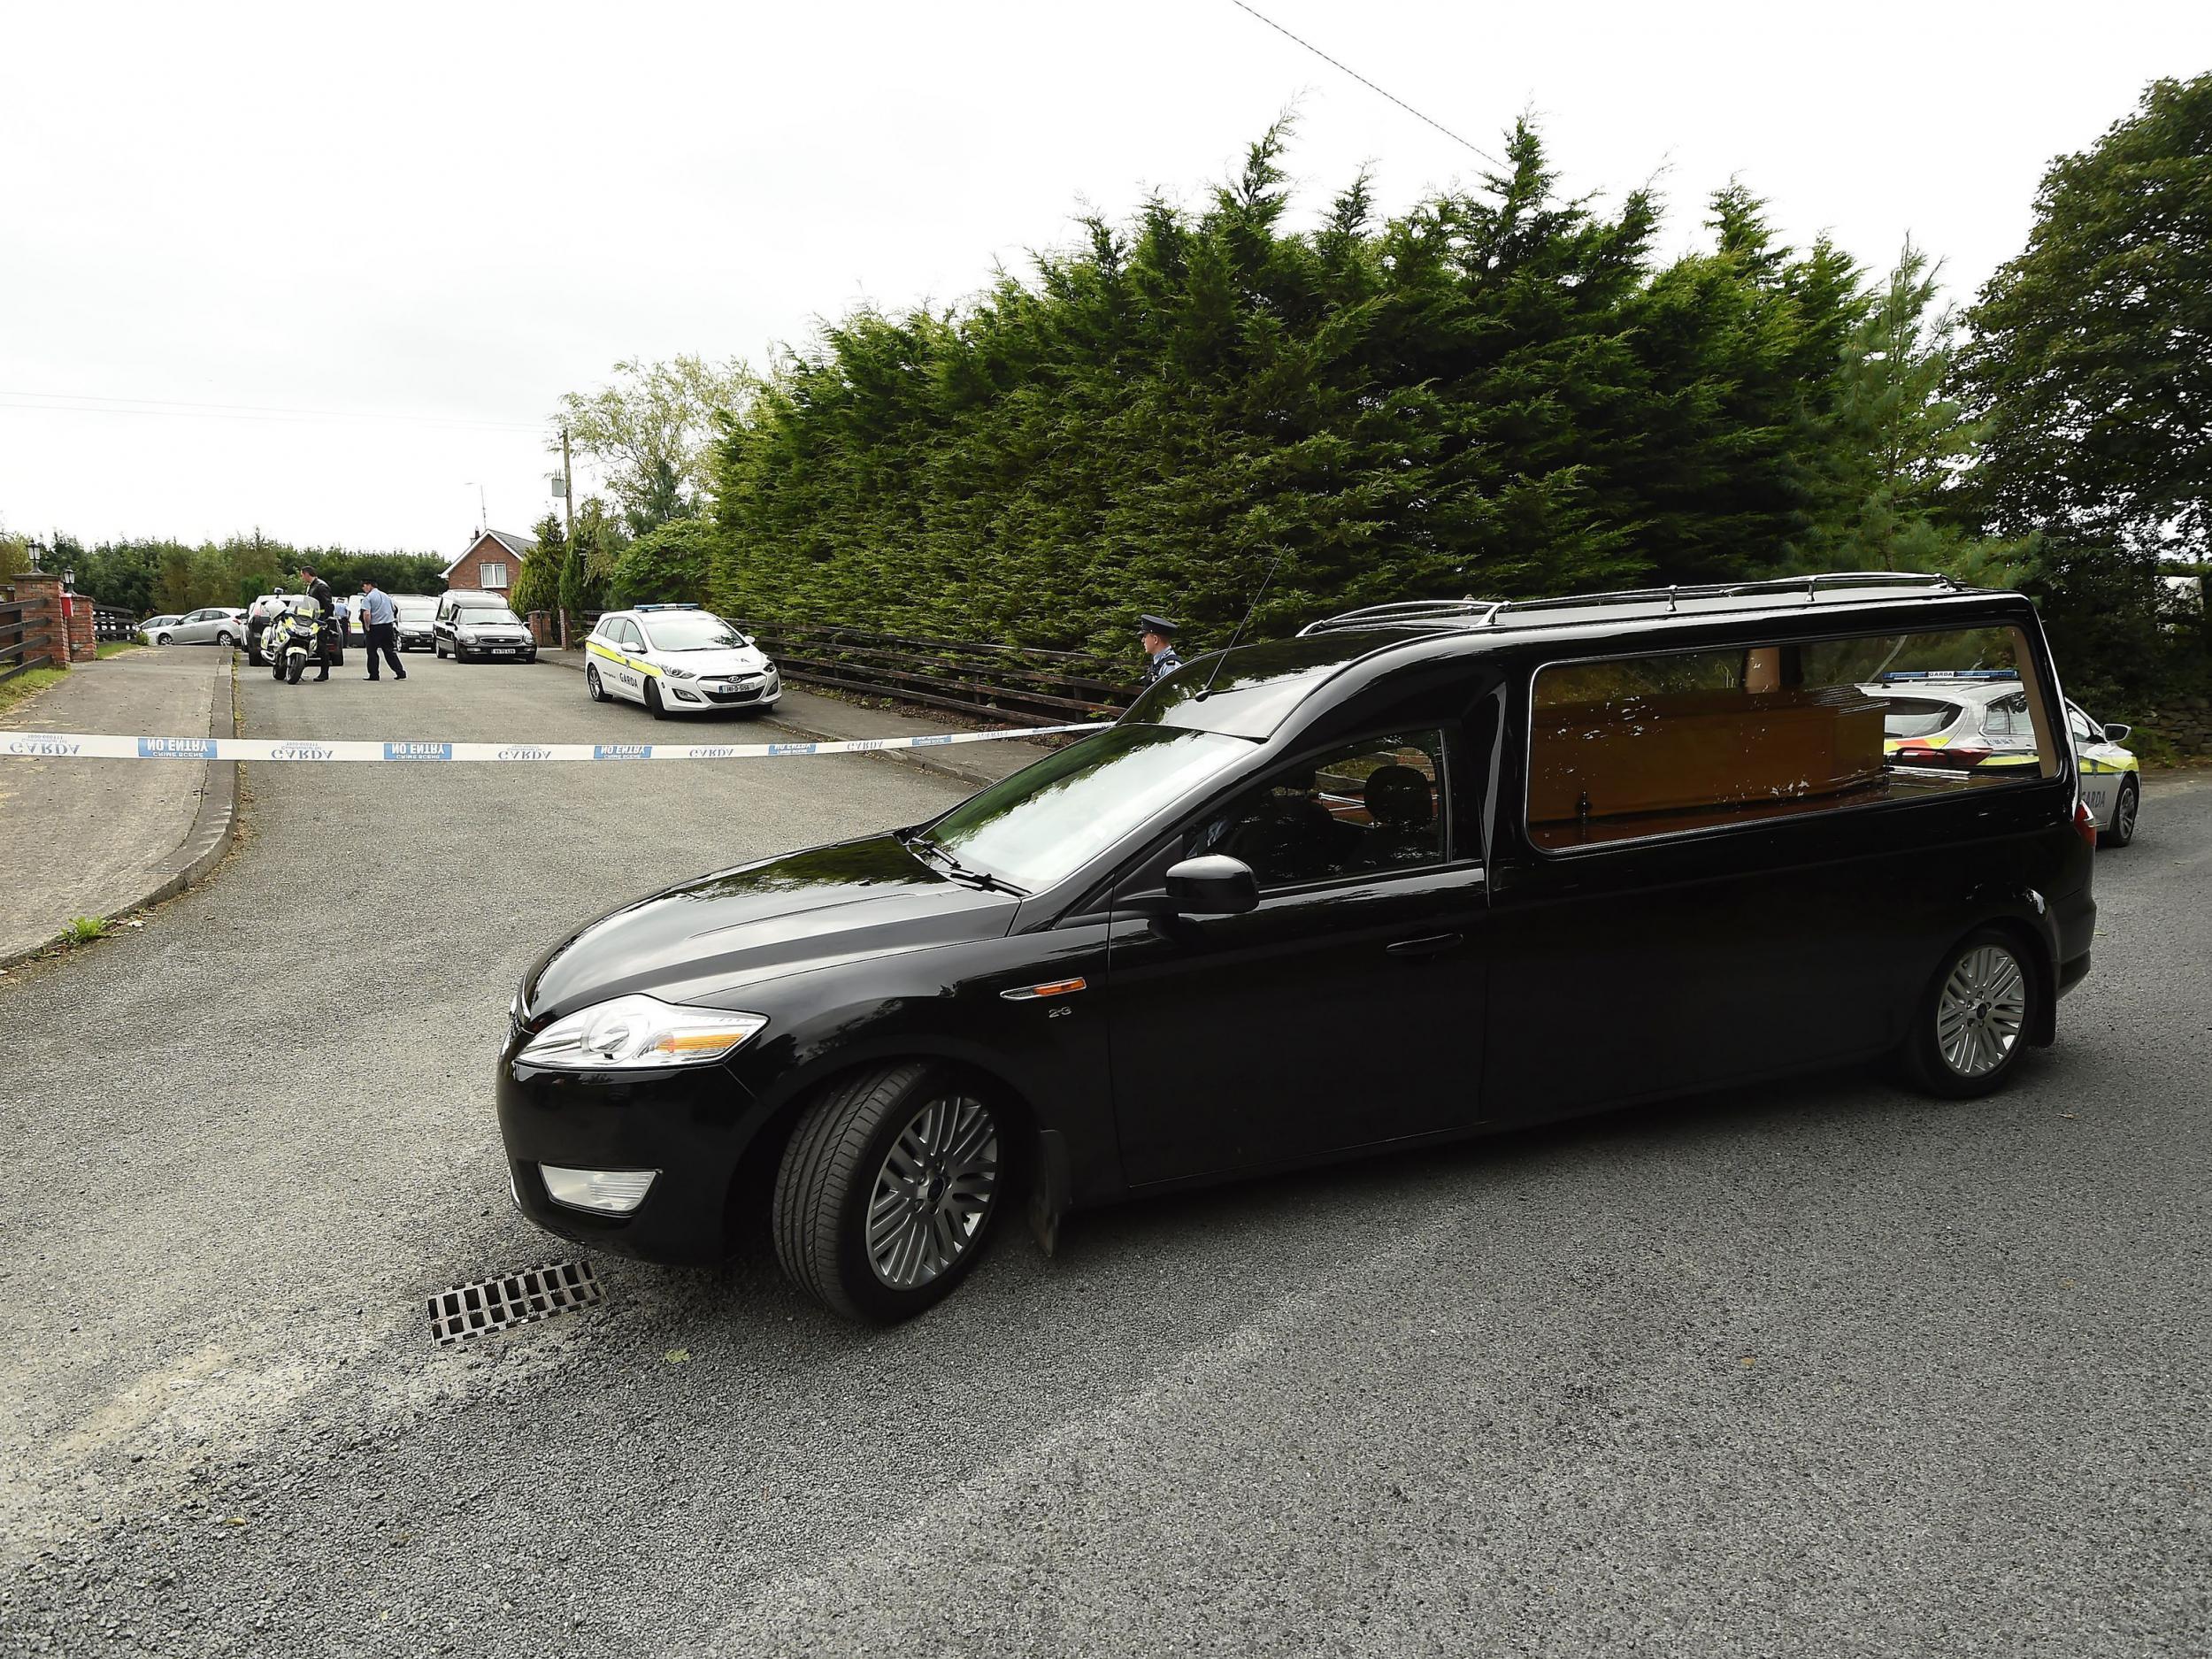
point(1158, 636)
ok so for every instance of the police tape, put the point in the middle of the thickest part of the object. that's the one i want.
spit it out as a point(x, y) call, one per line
point(97, 746)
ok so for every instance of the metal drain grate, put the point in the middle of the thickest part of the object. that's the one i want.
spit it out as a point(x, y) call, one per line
point(486, 1305)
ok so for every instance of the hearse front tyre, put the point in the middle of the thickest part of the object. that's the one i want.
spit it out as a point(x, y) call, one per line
point(888, 1189)
point(2124, 813)
point(1974, 1018)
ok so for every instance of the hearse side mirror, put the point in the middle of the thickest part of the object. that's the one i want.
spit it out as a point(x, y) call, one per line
point(2117, 734)
point(1214, 885)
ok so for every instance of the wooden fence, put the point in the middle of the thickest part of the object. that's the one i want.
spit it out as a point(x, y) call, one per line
point(24, 644)
point(970, 676)
point(112, 623)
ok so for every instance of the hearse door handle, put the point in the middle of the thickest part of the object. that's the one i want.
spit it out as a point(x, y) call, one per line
point(1431, 945)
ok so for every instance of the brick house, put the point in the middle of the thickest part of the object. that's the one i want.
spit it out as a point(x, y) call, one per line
point(492, 562)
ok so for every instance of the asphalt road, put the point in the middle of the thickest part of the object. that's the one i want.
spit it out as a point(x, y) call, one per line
point(1823, 1369)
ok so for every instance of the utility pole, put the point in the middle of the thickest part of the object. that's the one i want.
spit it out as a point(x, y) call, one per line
point(568, 509)
point(568, 487)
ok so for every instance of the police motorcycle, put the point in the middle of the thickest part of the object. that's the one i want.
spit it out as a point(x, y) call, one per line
point(293, 640)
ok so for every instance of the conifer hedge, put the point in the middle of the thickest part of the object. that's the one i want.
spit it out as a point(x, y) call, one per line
point(1498, 392)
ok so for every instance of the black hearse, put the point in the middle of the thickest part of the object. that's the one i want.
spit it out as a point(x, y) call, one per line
point(1526, 859)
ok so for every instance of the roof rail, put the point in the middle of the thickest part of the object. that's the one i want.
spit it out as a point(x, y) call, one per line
point(1461, 613)
point(1408, 612)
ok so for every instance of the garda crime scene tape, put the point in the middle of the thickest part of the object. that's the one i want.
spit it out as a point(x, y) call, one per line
point(98, 746)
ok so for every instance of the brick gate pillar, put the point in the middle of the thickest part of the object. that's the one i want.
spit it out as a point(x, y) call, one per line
point(84, 645)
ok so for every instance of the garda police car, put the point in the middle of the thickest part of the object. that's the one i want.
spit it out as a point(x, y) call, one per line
point(677, 658)
point(1976, 719)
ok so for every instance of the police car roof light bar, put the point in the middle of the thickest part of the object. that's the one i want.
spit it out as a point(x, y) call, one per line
point(671, 606)
point(1951, 673)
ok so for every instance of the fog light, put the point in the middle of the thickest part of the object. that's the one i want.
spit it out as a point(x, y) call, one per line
point(609, 1191)
point(689, 696)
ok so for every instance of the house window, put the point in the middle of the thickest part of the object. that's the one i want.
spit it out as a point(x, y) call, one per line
point(492, 573)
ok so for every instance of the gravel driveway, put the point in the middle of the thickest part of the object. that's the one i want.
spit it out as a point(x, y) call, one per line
point(1823, 1369)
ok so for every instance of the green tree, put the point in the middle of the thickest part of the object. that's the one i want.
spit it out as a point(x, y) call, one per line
point(672, 564)
point(1902, 443)
point(176, 584)
point(650, 431)
point(1499, 391)
point(15, 554)
point(2087, 366)
point(587, 560)
point(537, 585)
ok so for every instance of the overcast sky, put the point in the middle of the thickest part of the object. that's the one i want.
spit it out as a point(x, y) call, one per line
point(385, 240)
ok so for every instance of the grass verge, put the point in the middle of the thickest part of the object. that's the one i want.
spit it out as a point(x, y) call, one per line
point(26, 686)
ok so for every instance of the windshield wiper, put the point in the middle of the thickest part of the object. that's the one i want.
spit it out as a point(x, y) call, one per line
point(917, 842)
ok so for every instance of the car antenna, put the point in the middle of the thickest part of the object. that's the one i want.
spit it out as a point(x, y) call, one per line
point(1249, 612)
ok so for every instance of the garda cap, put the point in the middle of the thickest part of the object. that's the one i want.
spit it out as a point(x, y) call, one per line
point(1161, 626)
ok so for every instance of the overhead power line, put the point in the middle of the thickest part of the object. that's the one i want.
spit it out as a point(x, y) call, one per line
point(1369, 85)
point(93, 402)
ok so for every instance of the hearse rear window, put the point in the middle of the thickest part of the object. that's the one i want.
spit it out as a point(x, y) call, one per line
point(1635, 747)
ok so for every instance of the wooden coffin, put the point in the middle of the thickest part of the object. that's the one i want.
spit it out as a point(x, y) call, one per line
point(1681, 751)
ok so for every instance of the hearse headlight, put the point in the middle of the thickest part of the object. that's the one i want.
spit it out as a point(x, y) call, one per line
point(639, 1034)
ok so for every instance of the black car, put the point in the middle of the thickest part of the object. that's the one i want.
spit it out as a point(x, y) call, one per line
point(1425, 872)
point(412, 617)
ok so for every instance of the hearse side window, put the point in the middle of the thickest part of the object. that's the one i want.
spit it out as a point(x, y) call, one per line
point(1637, 747)
point(1371, 806)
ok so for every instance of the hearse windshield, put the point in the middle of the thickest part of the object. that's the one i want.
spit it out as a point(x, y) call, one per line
point(1257, 687)
point(1044, 822)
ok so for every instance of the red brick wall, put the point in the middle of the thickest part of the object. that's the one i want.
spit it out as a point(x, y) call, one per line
point(83, 646)
point(469, 571)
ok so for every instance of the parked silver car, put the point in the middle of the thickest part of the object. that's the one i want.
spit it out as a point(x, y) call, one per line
point(153, 626)
point(211, 625)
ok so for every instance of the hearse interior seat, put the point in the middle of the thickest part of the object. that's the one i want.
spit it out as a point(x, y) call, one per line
point(1401, 803)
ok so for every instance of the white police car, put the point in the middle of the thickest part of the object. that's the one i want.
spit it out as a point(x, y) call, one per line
point(1976, 719)
point(676, 659)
